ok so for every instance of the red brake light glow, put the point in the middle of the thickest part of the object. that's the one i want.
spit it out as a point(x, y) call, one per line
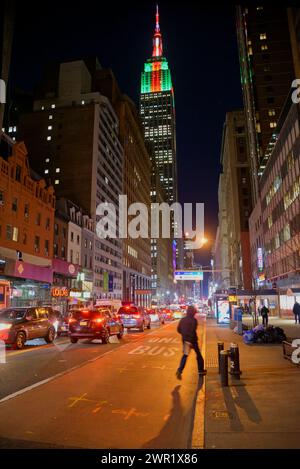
point(98, 320)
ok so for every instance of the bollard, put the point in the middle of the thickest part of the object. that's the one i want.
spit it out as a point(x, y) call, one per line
point(224, 367)
point(235, 361)
point(220, 347)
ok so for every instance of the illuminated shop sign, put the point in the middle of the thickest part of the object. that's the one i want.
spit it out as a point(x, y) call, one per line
point(60, 292)
point(260, 259)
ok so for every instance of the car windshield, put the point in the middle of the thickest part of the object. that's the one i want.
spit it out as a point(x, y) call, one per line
point(128, 310)
point(11, 314)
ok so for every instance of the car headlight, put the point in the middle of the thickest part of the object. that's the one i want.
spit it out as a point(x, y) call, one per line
point(4, 326)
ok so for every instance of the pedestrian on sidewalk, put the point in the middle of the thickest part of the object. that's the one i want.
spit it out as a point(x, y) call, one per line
point(265, 315)
point(296, 311)
point(187, 328)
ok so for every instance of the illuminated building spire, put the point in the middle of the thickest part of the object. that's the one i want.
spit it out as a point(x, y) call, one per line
point(157, 39)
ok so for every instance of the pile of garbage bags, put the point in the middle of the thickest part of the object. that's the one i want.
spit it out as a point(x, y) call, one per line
point(264, 335)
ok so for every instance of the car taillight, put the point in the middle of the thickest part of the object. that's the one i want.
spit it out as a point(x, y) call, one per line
point(98, 320)
point(72, 320)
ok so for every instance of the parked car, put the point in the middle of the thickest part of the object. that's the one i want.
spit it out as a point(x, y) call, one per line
point(156, 316)
point(17, 325)
point(167, 314)
point(178, 314)
point(94, 324)
point(134, 317)
point(63, 324)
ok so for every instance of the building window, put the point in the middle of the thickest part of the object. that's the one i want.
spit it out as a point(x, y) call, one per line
point(63, 252)
point(47, 223)
point(57, 170)
point(26, 210)
point(15, 234)
point(264, 47)
point(271, 112)
point(71, 256)
point(49, 138)
point(38, 219)
point(49, 127)
point(8, 232)
point(78, 239)
point(47, 160)
point(37, 244)
point(1, 198)
point(272, 125)
point(77, 257)
point(85, 242)
point(56, 181)
point(82, 102)
point(262, 36)
point(14, 206)
point(52, 106)
point(85, 261)
point(91, 245)
point(46, 171)
point(64, 233)
point(47, 247)
point(72, 236)
point(24, 238)
point(56, 228)
point(50, 117)
point(55, 249)
point(18, 173)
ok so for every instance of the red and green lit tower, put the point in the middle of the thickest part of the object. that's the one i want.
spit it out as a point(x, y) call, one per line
point(157, 112)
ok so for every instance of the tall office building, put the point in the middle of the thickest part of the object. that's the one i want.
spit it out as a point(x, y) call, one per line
point(267, 72)
point(157, 110)
point(73, 138)
point(136, 186)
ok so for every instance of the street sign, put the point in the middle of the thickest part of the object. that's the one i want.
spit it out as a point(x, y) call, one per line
point(188, 275)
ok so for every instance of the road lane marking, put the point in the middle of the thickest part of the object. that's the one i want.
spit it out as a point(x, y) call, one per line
point(69, 370)
point(153, 351)
point(78, 399)
point(198, 433)
point(130, 413)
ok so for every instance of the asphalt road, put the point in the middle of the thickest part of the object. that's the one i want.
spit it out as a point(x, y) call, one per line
point(87, 395)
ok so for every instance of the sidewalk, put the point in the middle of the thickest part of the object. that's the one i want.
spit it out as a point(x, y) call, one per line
point(260, 411)
point(291, 329)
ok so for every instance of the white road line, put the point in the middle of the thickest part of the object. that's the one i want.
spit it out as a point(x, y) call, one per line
point(62, 373)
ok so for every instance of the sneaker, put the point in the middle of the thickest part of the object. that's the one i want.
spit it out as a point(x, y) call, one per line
point(178, 375)
point(202, 372)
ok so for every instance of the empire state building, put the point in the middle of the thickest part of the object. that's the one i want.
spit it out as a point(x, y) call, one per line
point(157, 111)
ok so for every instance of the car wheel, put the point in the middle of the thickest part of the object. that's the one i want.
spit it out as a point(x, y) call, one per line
point(50, 335)
point(73, 340)
point(142, 328)
point(149, 325)
point(105, 337)
point(120, 335)
point(20, 340)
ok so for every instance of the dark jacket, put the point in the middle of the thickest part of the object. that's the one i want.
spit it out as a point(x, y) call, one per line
point(296, 308)
point(264, 311)
point(187, 328)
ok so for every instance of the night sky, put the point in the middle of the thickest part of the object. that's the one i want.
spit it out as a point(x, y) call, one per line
point(200, 45)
